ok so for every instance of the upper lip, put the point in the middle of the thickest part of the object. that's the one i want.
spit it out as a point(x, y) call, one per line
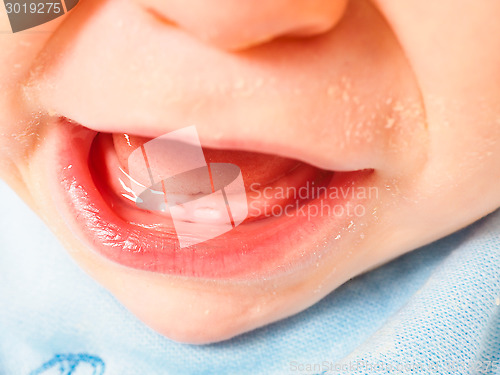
point(296, 99)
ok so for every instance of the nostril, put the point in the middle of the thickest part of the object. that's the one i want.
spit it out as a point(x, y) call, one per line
point(161, 17)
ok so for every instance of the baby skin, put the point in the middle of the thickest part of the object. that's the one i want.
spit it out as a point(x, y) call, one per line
point(385, 112)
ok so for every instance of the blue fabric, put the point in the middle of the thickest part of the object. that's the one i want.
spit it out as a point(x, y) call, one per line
point(433, 311)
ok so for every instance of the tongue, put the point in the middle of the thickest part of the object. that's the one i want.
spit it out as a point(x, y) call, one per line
point(256, 168)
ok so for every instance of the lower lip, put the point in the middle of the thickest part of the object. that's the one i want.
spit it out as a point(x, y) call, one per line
point(264, 248)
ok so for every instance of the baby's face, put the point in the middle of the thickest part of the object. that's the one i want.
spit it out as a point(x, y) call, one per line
point(391, 107)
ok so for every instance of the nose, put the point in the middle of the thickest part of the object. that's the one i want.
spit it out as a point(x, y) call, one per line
point(239, 24)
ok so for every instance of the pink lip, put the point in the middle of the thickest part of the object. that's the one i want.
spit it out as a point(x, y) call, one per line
point(262, 248)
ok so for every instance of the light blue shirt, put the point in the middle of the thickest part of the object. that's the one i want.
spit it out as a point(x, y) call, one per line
point(433, 311)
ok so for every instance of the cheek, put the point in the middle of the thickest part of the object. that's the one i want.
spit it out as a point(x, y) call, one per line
point(463, 167)
point(18, 126)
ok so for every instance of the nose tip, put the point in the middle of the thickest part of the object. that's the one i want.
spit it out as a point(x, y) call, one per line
point(239, 24)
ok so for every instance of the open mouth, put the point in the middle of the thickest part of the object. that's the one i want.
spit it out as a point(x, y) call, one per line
point(293, 210)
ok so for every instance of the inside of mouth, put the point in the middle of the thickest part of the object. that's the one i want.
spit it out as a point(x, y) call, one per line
point(170, 184)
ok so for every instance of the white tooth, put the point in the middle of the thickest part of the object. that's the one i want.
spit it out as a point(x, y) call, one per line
point(209, 209)
point(207, 214)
